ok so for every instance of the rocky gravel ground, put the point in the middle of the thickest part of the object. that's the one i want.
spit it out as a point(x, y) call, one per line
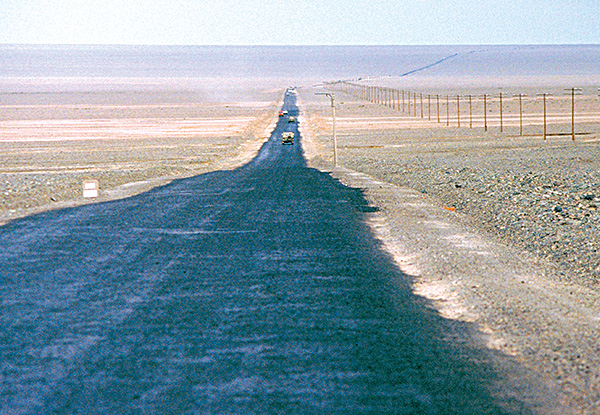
point(540, 196)
point(542, 205)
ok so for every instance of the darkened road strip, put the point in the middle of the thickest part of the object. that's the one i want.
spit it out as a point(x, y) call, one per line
point(254, 291)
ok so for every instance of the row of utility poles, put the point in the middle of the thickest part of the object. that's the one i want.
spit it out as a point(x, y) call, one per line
point(415, 103)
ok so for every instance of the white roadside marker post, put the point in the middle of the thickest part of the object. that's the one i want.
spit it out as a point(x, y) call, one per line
point(90, 188)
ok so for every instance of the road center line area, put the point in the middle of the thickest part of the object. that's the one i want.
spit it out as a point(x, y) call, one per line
point(260, 290)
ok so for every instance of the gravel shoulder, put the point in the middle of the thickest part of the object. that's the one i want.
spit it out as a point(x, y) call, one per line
point(497, 231)
point(540, 196)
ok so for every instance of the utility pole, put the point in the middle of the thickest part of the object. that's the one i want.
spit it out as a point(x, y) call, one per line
point(331, 96)
point(501, 120)
point(520, 96)
point(470, 111)
point(414, 104)
point(429, 107)
point(544, 97)
point(458, 111)
point(403, 102)
point(485, 126)
point(573, 91)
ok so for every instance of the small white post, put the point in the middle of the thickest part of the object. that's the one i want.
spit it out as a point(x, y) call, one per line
point(90, 188)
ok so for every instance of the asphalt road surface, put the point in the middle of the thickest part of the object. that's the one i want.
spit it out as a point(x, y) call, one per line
point(253, 291)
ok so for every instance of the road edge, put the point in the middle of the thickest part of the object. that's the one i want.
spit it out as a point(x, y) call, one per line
point(541, 330)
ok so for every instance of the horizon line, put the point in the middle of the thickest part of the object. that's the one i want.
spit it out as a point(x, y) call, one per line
point(298, 45)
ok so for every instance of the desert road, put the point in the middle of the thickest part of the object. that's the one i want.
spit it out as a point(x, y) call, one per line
point(259, 290)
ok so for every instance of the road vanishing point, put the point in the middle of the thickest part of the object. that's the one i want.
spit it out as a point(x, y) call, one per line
point(259, 290)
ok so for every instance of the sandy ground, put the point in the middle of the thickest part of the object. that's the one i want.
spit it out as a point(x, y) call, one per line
point(129, 137)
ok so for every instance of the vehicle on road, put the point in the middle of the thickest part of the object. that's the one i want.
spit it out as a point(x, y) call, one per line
point(283, 113)
point(287, 138)
point(292, 119)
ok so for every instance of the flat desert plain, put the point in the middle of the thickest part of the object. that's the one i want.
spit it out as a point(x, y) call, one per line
point(128, 136)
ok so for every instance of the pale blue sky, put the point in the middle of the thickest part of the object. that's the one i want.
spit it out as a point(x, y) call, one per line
point(310, 22)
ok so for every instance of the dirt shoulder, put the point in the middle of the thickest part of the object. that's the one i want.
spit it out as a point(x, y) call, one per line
point(470, 249)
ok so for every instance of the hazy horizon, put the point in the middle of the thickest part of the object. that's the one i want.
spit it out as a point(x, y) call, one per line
point(418, 67)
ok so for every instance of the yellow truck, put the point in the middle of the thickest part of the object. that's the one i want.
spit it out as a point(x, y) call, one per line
point(287, 138)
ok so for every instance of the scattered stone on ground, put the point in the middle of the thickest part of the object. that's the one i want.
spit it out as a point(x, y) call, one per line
point(540, 196)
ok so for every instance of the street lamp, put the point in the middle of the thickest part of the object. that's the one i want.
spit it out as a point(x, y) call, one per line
point(331, 96)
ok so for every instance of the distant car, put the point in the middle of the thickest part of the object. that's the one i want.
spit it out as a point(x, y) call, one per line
point(283, 113)
point(287, 138)
point(292, 119)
